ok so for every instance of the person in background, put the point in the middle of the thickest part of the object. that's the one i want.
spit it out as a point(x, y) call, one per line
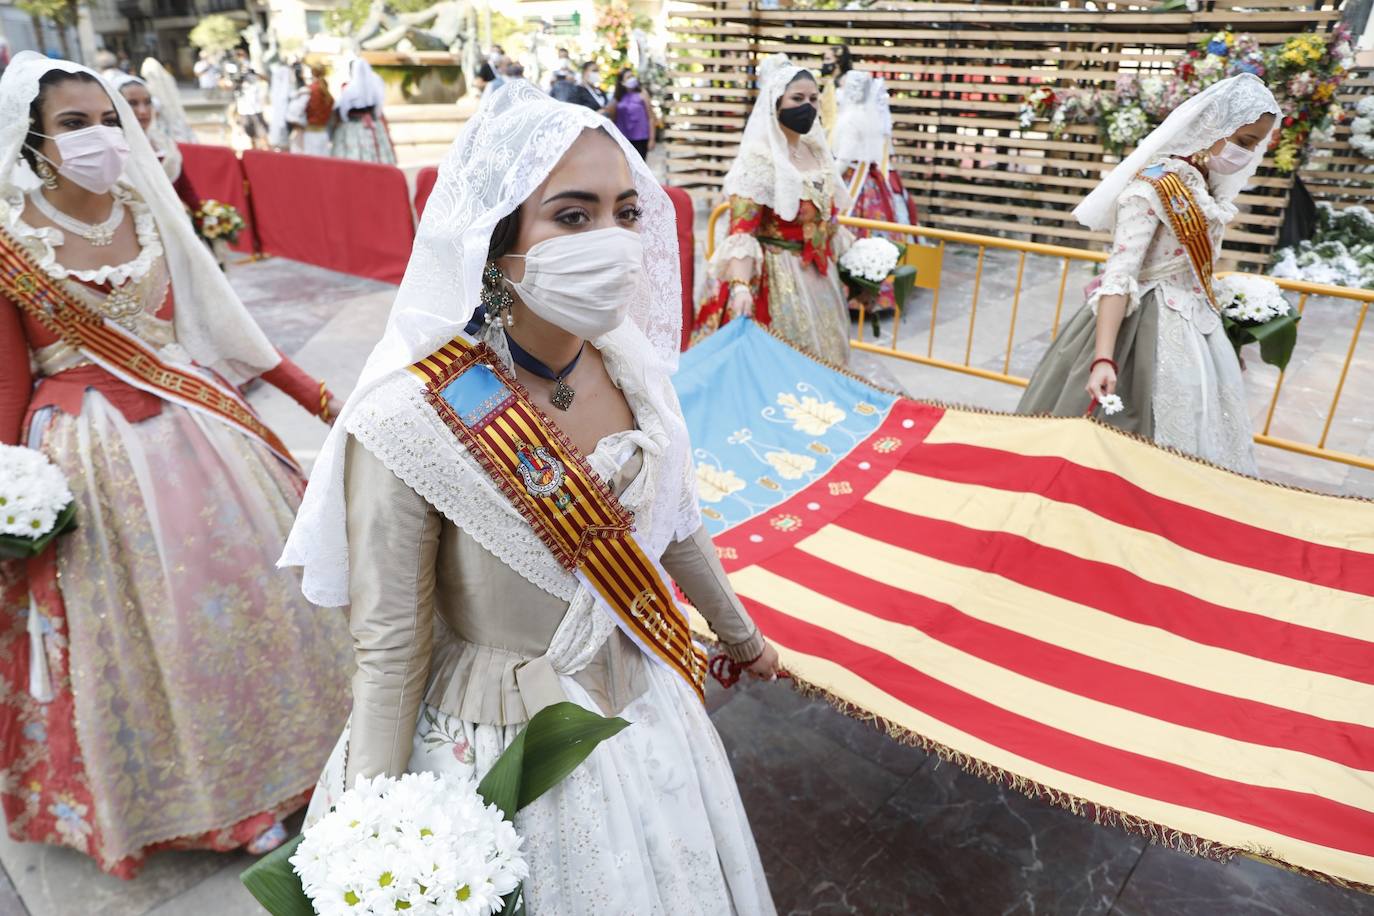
point(207, 73)
point(563, 86)
point(835, 63)
point(140, 99)
point(318, 111)
point(249, 107)
point(514, 71)
point(587, 92)
point(633, 112)
point(360, 132)
point(171, 114)
point(487, 79)
point(107, 65)
point(296, 109)
point(282, 87)
point(189, 691)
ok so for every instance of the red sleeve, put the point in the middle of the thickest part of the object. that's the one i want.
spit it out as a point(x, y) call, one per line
point(292, 381)
point(16, 381)
point(186, 191)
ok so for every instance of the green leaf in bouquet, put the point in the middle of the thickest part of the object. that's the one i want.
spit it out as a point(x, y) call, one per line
point(274, 883)
point(903, 282)
point(14, 547)
point(551, 746)
point(1277, 339)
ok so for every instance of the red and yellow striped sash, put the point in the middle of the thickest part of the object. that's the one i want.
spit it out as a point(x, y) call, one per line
point(1188, 223)
point(47, 302)
point(574, 513)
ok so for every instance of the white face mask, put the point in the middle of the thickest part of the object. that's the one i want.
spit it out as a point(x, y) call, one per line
point(1231, 159)
point(92, 157)
point(582, 282)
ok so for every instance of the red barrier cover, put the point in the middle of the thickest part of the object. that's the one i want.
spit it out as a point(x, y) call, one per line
point(348, 216)
point(686, 217)
point(424, 184)
point(216, 174)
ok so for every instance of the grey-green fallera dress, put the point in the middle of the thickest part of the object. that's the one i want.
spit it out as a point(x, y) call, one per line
point(1178, 376)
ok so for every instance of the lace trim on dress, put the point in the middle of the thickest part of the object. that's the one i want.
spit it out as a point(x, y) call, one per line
point(1215, 211)
point(1114, 284)
point(737, 245)
point(46, 240)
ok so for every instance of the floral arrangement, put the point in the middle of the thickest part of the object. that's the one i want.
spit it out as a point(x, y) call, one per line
point(216, 221)
point(35, 503)
point(1305, 74)
point(1111, 404)
point(421, 843)
point(870, 261)
point(614, 23)
point(1340, 253)
point(1362, 127)
point(1254, 310)
point(428, 845)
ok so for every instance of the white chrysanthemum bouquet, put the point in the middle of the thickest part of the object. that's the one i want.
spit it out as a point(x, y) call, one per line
point(869, 261)
point(1254, 310)
point(35, 502)
point(421, 844)
point(424, 844)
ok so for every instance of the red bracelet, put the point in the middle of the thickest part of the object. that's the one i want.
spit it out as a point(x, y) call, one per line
point(1104, 359)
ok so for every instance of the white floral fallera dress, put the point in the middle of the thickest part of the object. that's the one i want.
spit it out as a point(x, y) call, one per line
point(1198, 401)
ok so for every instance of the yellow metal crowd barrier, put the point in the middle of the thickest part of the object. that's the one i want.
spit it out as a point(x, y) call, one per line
point(928, 260)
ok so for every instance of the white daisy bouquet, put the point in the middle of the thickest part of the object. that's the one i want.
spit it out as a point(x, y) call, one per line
point(35, 503)
point(424, 844)
point(1254, 310)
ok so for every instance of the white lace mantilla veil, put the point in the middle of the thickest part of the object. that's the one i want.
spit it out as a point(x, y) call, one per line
point(763, 170)
point(211, 323)
point(365, 89)
point(163, 143)
point(170, 112)
point(503, 154)
point(864, 122)
point(1214, 113)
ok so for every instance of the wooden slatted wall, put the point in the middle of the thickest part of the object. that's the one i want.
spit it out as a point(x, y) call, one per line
point(957, 73)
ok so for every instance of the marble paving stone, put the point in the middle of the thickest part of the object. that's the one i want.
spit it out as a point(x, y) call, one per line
point(292, 301)
point(783, 771)
point(949, 842)
point(56, 881)
point(1173, 883)
point(10, 904)
point(221, 894)
point(862, 738)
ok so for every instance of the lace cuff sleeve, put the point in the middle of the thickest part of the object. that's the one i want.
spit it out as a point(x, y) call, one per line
point(1136, 222)
point(746, 216)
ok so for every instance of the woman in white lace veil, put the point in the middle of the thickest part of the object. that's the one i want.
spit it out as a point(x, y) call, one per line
point(149, 114)
point(360, 130)
point(548, 240)
point(121, 345)
point(1149, 333)
point(171, 113)
point(863, 146)
point(777, 263)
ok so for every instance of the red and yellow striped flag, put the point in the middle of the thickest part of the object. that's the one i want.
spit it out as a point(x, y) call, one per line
point(1140, 637)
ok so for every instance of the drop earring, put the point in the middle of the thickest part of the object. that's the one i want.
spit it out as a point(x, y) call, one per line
point(46, 173)
point(496, 298)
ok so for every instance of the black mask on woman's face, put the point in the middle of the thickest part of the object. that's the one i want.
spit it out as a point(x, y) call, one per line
point(799, 119)
point(827, 69)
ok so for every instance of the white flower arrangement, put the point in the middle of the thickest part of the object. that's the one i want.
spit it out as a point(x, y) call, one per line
point(1362, 127)
point(33, 493)
point(870, 260)
point(1250, 300)
point(422, 844)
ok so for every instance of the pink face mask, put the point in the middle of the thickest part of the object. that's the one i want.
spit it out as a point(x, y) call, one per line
point(1231, 159)
point(92, 157)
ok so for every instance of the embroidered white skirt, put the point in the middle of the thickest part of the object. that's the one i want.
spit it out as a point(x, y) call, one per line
point(651, 823)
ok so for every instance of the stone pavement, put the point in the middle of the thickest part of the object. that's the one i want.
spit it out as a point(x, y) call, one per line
point(847, 820)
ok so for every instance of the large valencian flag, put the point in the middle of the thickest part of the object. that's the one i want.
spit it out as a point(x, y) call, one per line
point(1127, 632)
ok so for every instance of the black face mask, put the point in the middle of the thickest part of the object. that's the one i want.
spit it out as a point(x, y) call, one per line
point(827, 69)
point(799, 119)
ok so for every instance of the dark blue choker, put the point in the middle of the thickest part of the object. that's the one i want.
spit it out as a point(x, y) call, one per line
point(563, 395)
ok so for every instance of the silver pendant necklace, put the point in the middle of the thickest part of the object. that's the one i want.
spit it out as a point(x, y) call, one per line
point(100, 235)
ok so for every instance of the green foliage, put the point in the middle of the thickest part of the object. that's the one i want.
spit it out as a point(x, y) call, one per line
point(215, 34)
point(61, 12)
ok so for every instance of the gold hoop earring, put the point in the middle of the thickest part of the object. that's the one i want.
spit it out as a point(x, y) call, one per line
point(495, 297)
point(46, 173)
